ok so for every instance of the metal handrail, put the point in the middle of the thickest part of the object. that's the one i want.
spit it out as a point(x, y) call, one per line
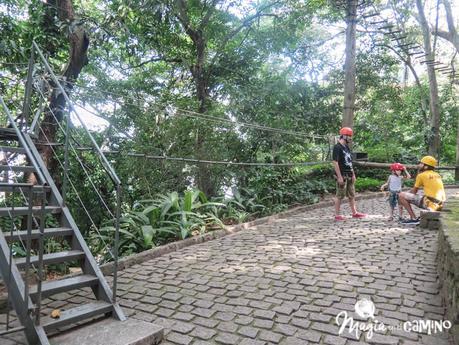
point(105, 163)
point(104, 160)
point(23, 142)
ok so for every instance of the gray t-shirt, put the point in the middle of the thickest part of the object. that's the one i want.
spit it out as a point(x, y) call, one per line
point(395, 183)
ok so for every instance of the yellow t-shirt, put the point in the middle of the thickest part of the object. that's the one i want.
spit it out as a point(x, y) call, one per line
point(433, 185)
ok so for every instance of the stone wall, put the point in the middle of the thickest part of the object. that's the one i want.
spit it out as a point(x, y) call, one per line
point(448, 263)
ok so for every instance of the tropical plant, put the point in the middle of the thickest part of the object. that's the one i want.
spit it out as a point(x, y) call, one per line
point(157, 221)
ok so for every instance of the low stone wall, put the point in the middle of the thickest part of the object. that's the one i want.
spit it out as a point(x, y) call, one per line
point(448, 263)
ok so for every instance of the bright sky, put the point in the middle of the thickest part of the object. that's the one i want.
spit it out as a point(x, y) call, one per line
point(93, 122)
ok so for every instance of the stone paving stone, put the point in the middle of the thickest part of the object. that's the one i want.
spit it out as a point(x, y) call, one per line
point(227, 326)
point(248, 331)
point(247, 341)
point(183, 316)
point(178, 338)
point(311, 336)
point(325, 328)
point(202, 333)
point(225, 316)
point(227, 339)
point(182, 327)
point(301, 323)
point(211, 323)
point(243, 320)
point(284, 329)
point(384, 340)
point(261, 323)
point(202, 303)
point(264, 314)
point(271, 337)
point(333, 340)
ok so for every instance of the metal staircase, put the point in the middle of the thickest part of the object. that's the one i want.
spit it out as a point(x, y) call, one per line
point(27, 215)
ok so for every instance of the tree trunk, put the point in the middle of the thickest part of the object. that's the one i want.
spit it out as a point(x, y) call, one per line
point(451, 35)
point(78, 46)
point(434, 133)
point(349, 66)
point(199, 73)
point(204, 177)
point(456, 175)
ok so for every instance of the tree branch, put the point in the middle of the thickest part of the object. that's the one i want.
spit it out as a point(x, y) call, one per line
point(443, 34)
point(155, 59)
point(209, 13)
point(246, 23)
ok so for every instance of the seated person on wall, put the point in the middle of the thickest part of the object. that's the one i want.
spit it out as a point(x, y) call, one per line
point(434, 193)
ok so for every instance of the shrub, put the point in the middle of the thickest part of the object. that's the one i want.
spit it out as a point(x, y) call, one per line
point(368, 183)
point(157, 221)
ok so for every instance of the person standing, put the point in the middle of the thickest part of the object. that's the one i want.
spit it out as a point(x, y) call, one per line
point(344, 174)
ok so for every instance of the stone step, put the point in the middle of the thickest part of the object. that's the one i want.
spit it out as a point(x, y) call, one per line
point(113, 332)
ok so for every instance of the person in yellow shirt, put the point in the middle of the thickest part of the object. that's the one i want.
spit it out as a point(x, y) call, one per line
point(434, 192)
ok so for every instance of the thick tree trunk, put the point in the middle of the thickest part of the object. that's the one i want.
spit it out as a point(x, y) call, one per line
point(78, 46)
point(198, 71)
point(349, 66)
point(204, 178)
point(434, 135)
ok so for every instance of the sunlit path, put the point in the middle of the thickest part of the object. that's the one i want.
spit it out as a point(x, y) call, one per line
point(285, 283)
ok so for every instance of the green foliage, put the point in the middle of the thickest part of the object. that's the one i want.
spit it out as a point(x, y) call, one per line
point(368, 183)
point(242, 206)
point(153, 222)
point(261, 62)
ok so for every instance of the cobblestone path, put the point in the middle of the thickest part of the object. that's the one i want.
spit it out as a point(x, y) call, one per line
point(285, 283)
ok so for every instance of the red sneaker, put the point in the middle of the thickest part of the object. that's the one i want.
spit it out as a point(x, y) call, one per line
point(359, 215)
point(339, 218)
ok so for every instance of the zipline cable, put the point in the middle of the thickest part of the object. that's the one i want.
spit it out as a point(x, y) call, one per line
point(204, 161)
point(207, 117)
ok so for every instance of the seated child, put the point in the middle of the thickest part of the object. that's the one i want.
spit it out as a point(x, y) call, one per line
point(395, 184)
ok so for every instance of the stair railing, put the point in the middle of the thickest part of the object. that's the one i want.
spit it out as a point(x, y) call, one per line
point(22, 301)
point(23, 143)
point(105, 163)
point(17, 288)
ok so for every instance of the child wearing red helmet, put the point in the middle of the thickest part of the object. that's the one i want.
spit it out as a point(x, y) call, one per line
point(395, 184)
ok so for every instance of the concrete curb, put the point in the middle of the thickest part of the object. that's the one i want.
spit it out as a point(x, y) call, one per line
point(138, 258)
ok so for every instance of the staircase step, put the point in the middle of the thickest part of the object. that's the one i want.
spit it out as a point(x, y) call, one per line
point(52, 258)
point(113, 332)
point(24, 210)
point(16, 168)
point(77, 314)
point(7, 133)
point(52, 287)
point(12, 149)
point(24, 187)
point(35, 234)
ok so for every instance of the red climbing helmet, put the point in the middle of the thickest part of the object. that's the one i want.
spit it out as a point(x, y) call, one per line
point(397, 166)
point(346, 131)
